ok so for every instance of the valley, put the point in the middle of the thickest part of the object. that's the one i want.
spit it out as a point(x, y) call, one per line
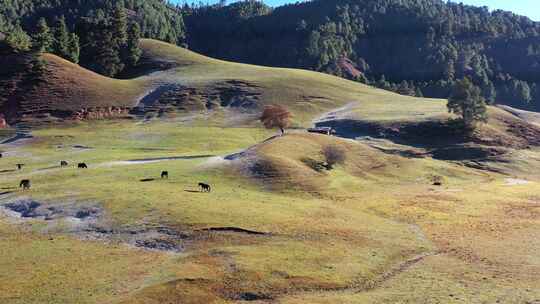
point(277, 227)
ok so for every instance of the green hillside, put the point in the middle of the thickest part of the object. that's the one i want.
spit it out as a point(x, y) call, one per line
point(372, 230)
point(191, 82)
point(413, 212)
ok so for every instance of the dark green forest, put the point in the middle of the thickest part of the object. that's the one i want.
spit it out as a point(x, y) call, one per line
point(101, 35)
point(413, 47)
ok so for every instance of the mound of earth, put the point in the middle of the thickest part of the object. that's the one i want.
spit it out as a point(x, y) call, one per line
point(297, 162)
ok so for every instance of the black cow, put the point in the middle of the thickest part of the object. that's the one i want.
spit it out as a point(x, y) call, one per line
point(205, 187)
point(19, 166)
point(63, 163)
point(82, 166)
point(25, 184)
point(165, 174)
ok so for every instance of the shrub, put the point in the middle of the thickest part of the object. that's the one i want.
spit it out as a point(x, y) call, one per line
point(333, 155)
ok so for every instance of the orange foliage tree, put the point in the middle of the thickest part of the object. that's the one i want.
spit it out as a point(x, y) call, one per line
point(276, 116)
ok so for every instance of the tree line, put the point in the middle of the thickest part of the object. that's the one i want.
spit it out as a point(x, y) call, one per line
point(413, 47)
point(101, 35)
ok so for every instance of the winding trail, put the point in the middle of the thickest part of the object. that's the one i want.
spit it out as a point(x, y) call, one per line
point(335, 114)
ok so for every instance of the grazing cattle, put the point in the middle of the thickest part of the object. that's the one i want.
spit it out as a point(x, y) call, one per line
point(165, 174)
point(63, 163)
point(0, 155)
point(82, 166)
point(205, 187)
point(25, 184)
point(20, 166)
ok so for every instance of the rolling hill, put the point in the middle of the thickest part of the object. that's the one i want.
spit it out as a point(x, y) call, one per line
point(174, 81)
point(278, 226)
point(171, 78)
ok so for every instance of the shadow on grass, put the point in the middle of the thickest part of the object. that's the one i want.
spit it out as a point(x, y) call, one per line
point(194, 191)
point(48, 168)
point(147, 180)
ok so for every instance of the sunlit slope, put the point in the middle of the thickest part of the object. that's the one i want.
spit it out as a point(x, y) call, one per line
point(306, 93)
point(174, 79)
point(65, 86)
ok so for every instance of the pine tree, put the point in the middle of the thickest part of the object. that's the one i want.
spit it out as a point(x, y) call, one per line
point(134, 52)
point(119, 26)
point(107, 60)
point(62, 41)
point(418, 92)
point(405, 89)
point(74, 49)
point(466, 101)
point(18, 40)
point(43, 38)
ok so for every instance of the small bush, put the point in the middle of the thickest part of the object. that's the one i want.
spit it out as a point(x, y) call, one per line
point(437, 180)
point(314, 164)
point(333, 155)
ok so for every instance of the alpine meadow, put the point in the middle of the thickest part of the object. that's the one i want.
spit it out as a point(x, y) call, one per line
point(321, 152)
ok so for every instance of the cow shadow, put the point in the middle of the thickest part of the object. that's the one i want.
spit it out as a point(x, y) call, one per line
point(193, 191)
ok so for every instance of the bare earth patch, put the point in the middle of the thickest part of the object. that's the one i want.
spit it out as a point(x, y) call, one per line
point(516, 182)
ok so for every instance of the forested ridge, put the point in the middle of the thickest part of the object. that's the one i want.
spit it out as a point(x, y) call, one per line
point(414, 47)
point(101, 35)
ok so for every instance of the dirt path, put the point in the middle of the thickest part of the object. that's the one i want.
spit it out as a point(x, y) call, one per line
point(335, 114)
point(22, 135)
point(152, 160)
point(47, 170)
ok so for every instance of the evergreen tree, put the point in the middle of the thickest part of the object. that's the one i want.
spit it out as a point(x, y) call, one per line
point(405, 89)
point(18, 40)
point(107, 58)
point(43, 38)
point(134, 52)
point(119, 26)
point(73, 48)
point(418, 92)
point(466, 101)
point(62, 39)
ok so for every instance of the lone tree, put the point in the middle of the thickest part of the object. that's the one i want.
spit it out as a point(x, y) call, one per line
point(276, 116)
point(333, 155)
point(466, 101)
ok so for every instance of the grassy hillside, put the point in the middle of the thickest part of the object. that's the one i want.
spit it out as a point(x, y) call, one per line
point(277, 227)
point(69, 87)
point(306, 93)
point(368, 231)
point(52, 86)
point(187, 82)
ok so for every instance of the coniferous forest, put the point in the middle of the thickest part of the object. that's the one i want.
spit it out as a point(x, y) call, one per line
point(413, 47)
